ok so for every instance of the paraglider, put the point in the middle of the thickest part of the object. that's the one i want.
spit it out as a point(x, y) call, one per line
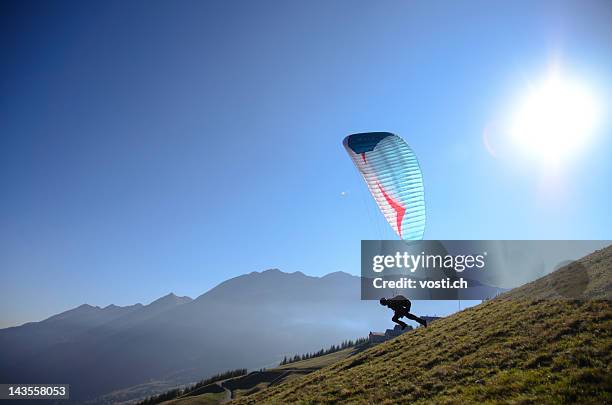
point(391, 171)
point(401, 308)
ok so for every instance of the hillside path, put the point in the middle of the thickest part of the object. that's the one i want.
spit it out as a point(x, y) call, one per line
point(228, 393)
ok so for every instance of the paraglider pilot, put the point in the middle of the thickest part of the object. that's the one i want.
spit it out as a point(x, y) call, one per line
point(401, 308)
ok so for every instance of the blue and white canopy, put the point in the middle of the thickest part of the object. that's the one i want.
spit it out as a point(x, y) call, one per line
point(392, 173)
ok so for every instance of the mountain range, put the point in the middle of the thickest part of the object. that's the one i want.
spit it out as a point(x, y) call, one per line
point(248, 321)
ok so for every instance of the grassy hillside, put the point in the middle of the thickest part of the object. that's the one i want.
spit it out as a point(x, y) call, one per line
point(320, 361)
point(530, 345)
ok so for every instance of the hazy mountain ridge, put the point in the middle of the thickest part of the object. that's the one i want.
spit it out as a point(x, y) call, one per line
point(55, 339)
point(32, 337)
point(248, 321)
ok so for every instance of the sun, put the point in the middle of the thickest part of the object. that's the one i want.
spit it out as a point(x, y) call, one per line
point(555, 119)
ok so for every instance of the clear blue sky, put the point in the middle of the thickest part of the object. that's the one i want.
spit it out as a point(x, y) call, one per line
point(149, 147)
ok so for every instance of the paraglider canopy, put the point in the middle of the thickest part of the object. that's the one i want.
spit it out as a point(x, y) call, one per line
point(393, 176)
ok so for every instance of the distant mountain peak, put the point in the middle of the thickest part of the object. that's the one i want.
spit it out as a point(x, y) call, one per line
point(275, 271)
point(271, 271)
point(170, 299)
point(337, 274)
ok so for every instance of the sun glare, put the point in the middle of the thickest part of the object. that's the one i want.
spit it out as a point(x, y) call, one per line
point(555, 119)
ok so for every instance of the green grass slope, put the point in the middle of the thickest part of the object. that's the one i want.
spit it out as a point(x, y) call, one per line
point(530, 345)
point(320, 361)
